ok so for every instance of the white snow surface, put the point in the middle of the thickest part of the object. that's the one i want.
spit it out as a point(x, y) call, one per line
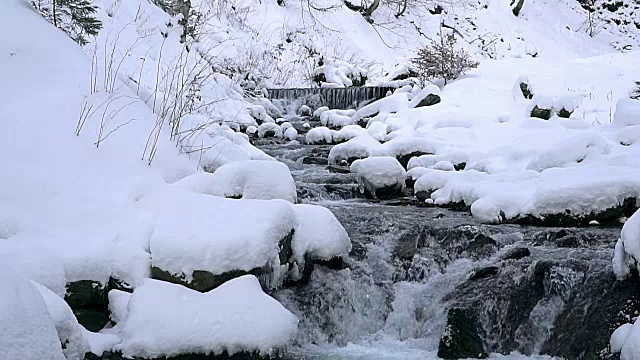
point(626, 341)
point(627, 250)
point(378, 172)
point(191, 231)
point(319, 235)
point(236, 316)
point(26, 328)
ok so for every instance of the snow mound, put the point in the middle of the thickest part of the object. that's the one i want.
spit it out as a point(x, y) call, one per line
point(70, 332)
point(319, 235)
point(169, 320)
point(626, 341)
point(269, 129)
point(337, 118)
point(319, 135)
point(375, 173)
point(348, 132)
point(27, 331)
point(339, 73)
point(199, 232)
point(290, 134)
point(627, 112)
point(627, 251)
point(357, 148)
point(254, 179)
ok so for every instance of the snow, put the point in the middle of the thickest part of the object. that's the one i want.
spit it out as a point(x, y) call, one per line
point(358, 147)
point(348, 132)
point(118, 305)
point(26, 328)
point(319, 235)
point(379, 172)
point(627, 251)
point(251, 179)
point(626, 341)
point(69, 331)
point(290, 134)
point(191, 231)
point(237, 316)
point(269, 127)
point(627, 112)
point(339, 73)
point(319, 135)
point(337, 118)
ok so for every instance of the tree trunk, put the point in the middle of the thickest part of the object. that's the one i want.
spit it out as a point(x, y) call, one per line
point(402, 8)
point(184, 8)
point(369, 11)
point(54, 11)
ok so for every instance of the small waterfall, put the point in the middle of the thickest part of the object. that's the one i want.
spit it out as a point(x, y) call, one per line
point(334, 98)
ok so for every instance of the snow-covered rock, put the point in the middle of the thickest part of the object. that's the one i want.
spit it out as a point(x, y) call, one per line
point(319, 235)
point(290, 134)
point(357, 148)
point(253, 179)
point(626, 341)
point(627, 112)
point(380, 176)
point(26, 328)
point(165, 320)
point(337, 118)
point(196, 237)
point(319, 135)
point(627, 251)
point(269, 129)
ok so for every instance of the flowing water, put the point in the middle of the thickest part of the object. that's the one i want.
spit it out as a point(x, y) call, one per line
point(410, 265)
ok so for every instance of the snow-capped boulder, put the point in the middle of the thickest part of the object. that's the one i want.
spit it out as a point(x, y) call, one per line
point(27, 331)
point(626, 341)
point(627, 113)
point(380, 177)
point(337, 118)
point(357, 148)
point(523, 89)
point(348, 132)
point(201, 241)
point(258, 112)
point(269, 129)
point(290, 134)
point(541, 107)
point(320, 135)
point(304, 110)
point(319, 235)
point(254, 179)
point(167, 320)
point(428, 96)
point(70, 332)
point(627, 250)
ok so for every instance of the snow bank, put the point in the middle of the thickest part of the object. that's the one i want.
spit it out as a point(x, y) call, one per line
point(199, 232)
point(319, 235)
point(337, 118)
point(27, 331)
point(168, 320)
point(376, 173)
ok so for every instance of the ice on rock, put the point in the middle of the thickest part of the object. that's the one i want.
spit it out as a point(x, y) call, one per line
point(357, 148)
point(27, 331)
point(319, 135)
point(627, 251)
point(193, 231)
point(254, 179)
point(166, 320)
point(377, 173)
point(627, 112)
point(319, 235)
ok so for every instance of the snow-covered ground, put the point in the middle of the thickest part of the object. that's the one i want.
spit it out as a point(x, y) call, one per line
point(104, 150)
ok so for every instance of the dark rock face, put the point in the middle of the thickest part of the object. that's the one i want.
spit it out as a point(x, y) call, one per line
point(564, 113)
point(460, 339)
point(526, 90)
point(88, 301)
point(310, 160)
point(544, 114)
point(204, 281)
point(404, 159)
point(516, 253)
point(484, 272)
point(431, 99)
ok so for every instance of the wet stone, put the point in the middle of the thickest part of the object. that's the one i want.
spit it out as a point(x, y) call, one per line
point(516, 253)
point(88, 301)
point(461, 339)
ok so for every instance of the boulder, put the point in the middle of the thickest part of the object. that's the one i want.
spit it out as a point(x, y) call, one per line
point(88, 301)
point(460, 339)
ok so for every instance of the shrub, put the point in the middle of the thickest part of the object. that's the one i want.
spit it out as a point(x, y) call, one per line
point(440, 60)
